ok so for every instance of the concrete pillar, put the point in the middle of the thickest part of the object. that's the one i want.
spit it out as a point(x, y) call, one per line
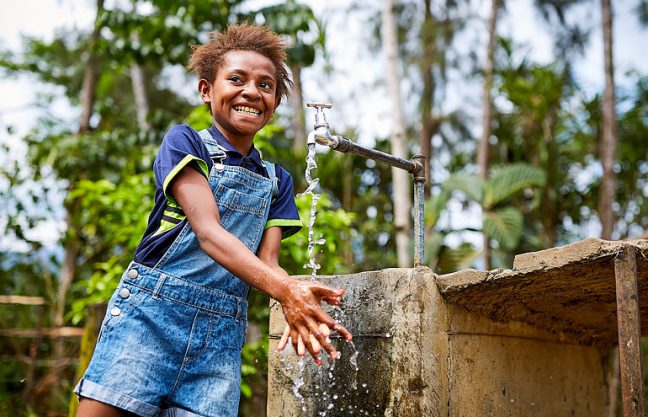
point(419, 356)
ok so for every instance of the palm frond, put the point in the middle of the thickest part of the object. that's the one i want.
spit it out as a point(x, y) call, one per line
point(505, 226)
point(455, 259)
point(434, 206)
point(507, 180)
point(471, 185)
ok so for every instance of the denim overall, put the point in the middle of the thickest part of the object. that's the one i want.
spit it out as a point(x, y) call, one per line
point(171, 339)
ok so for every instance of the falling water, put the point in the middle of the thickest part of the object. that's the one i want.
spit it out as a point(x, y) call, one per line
point(328, 382)
point(298, 382)
point(353, 360)
point(311, 164)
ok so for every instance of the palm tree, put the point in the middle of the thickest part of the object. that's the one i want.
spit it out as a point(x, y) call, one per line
point(502, 222)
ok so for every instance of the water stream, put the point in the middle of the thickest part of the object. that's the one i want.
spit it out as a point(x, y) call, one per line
point(311, 164)
point(326, 391)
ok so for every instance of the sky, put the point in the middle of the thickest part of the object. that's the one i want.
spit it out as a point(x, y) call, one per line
point(520, 21)
point(356, 86)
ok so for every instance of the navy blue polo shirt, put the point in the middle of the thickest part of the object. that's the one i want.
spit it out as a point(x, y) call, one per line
point(182, 147)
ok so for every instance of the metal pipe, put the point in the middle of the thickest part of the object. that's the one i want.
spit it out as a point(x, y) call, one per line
point(415, 166)
point(419, 209)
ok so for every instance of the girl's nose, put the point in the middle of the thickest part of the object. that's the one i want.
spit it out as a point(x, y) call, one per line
point(251, 91)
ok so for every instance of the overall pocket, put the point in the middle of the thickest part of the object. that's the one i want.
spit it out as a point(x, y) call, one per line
point(241, 214)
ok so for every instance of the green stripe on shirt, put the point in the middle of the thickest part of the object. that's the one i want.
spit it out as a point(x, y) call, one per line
point(185, 161)
point(289, 226)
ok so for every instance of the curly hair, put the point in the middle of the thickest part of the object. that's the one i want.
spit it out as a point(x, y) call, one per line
point(206, 59)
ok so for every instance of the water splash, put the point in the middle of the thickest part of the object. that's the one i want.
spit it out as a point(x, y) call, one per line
point(282, 360)
point(298, 382)
point(353, 360)
point(311, 164)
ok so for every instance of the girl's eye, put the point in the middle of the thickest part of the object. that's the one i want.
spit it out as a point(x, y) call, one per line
point(235, 78)
point(266, 86)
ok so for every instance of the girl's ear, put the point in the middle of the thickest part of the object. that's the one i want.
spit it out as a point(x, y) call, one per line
point(204, 89)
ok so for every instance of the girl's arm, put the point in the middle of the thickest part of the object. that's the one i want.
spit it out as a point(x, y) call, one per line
point(300, 300)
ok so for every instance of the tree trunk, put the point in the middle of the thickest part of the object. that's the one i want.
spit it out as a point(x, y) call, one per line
point(90, 75)
point(73, 208)
point(68, 271)
point(487, 115)
point(139, 87)
point(608, 142)
point(91, 328)
point(297, 103)
point(139, 92)
point(607, 194)
point(548, 204)
point(428, 127)
point(401, 180)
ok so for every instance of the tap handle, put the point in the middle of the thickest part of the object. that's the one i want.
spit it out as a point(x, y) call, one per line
point(319, 112)
point(319, 105)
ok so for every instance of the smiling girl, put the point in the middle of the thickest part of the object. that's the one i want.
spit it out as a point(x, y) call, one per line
point(171, 339)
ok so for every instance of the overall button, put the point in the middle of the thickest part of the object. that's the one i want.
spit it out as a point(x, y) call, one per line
point(124, 293)
point(133, 273)
point(116, 311)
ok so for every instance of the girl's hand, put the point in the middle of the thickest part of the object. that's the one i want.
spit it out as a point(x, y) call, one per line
point(301, 348)
point(309, 327)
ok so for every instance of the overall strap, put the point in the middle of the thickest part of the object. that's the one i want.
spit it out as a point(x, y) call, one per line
point(272, 174)
point(216, 152)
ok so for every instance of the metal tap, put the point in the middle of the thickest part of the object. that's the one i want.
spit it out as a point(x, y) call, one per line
point(416, 166)
point(320, 133)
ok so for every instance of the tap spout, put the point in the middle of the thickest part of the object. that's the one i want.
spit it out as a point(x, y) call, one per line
point(324, 137)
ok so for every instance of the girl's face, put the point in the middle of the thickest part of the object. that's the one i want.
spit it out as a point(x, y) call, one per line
point(242, 97)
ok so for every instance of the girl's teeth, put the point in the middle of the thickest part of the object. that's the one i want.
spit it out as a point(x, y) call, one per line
point(247, 110)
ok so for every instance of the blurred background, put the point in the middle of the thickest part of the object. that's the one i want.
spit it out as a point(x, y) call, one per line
point(532, 115)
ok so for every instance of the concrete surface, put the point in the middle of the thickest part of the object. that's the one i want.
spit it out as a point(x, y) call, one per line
point(568, 291)
point(524, 342)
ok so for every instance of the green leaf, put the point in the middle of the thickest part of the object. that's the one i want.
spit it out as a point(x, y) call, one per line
point(505, 226)
point(471, 185)
point(434, 207)
point(507, 180)
point(454, 259)
point(246, 390)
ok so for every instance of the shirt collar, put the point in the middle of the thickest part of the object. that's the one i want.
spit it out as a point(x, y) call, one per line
point(253, 155)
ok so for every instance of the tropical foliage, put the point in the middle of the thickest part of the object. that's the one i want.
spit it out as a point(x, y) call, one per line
point(89, 184)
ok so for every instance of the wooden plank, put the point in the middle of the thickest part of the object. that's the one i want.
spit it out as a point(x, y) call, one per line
point(53, 332)
point(627, 300)
point(21, 299)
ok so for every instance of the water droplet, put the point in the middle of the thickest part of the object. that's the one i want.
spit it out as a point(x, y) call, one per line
point(335, 396)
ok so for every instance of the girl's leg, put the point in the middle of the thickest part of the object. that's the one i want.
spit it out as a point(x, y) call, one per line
point(93, 408)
